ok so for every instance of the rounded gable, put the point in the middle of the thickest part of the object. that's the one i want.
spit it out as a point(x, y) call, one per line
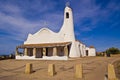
point(43, 30)
point(44, 35)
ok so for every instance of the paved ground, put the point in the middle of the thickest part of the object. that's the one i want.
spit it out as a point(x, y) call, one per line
point(94, 68)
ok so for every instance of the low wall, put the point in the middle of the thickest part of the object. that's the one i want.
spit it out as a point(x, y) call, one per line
point(43, 58)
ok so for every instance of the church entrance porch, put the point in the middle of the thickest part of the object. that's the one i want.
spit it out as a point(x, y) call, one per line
point(50, 51)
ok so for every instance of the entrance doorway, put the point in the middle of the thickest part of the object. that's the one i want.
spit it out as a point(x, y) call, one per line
point(86, 52)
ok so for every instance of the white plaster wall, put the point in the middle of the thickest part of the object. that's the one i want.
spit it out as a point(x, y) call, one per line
point(77, 49)
point(55, 58)
point(44, 58)
point(82, 48)
point(91, 51)
point(44, 36)
point(25, 57)
point(73, 51)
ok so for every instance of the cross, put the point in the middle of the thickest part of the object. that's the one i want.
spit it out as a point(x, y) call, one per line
point(68, 4)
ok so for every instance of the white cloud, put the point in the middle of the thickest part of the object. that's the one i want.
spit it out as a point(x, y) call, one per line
point(20, 26)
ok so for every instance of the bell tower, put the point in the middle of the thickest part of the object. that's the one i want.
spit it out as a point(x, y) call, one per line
point(67, 31)
point(68, 28)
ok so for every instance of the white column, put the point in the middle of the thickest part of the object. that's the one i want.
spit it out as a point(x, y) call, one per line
point(25, 52)
point(34, 51)
point(66, 51)
point(54, 51)
point(44, 51)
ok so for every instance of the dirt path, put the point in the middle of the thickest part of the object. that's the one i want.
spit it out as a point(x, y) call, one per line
point(94, 68)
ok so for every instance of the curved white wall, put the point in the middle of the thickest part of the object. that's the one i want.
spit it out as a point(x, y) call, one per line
point(44, 36)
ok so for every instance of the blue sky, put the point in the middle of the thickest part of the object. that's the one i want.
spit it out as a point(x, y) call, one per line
point(96, 22)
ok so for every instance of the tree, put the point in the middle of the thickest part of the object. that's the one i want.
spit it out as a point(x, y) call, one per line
point(113, 50)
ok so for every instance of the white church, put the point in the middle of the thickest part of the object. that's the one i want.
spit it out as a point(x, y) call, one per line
point(48, 45)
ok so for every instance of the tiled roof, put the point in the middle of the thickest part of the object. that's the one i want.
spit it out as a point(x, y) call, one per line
point(91, 47)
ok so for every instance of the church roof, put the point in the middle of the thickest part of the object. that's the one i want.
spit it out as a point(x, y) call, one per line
point(79, 41)
point(43, 45)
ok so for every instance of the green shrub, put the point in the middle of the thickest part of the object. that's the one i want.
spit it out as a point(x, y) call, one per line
point(112, 50)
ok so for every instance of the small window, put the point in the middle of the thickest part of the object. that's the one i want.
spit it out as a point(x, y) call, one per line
point(67, 15)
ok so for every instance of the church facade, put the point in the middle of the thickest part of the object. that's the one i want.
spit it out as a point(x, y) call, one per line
point(48, 45)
